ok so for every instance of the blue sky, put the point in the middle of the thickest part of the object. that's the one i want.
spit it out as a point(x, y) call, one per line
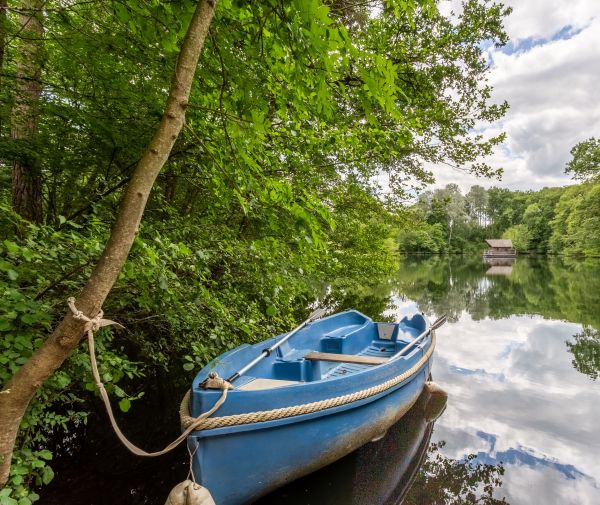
point(550, 75)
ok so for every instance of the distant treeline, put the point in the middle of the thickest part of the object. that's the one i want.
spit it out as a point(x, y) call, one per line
point(562, 220)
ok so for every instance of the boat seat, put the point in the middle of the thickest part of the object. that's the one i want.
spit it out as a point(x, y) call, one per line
point(345, 358)
point(257, 384)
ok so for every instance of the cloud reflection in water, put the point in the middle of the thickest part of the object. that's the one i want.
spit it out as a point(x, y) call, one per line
point(516, 398)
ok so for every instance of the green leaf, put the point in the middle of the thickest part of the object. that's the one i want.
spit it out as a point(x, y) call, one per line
point(119, 392)
point(47, 475)
point(11, 247)
point(188, 366)
point(271, 310)
point(125, 405)
point(45, 454)
point(19, 470)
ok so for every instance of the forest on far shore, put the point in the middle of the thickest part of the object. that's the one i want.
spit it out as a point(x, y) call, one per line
point(563, 220)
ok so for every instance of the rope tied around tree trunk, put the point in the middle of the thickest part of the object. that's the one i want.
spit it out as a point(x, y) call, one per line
point(92, 325)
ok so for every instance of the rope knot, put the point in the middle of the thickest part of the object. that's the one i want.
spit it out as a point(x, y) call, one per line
point(77, 314)
point(213, 381)
point(92, 324)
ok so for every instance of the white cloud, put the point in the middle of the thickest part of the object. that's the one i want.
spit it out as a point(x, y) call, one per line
point(543, 18)
point(552, 88)
point(513, 380)
point(551, 487)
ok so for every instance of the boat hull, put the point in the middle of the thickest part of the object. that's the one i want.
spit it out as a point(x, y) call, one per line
point(240, 465)
point(382, 472)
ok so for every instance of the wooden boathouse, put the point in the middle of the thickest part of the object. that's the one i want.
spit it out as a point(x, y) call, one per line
point(499, 248)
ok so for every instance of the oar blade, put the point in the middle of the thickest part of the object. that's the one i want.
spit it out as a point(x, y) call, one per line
point(317, 314)
point(440, 321)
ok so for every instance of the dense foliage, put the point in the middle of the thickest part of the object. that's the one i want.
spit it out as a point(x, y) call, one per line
point(553, 220)
point(266, 203)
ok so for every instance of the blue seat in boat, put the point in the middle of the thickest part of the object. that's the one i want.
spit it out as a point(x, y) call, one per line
point(293, 367)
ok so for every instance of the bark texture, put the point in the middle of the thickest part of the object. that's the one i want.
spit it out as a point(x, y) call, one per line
point(18, 392)
point(3, 32)
point(26, 173)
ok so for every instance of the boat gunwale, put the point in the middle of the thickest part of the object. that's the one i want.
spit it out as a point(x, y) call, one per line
point(262, 425)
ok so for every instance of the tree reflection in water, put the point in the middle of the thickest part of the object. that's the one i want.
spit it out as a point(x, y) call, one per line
point(554, 288)
point(586, 351)
point(443, 480)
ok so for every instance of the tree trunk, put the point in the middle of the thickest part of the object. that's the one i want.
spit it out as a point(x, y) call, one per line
point(3, 27)
point(18, 392)
point(3, 32)
point(26, 173)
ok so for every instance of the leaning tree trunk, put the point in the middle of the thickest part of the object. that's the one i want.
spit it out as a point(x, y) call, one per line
point(16, 395)
point(26, 173)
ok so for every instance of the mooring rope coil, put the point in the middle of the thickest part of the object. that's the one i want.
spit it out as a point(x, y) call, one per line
point(296, 410)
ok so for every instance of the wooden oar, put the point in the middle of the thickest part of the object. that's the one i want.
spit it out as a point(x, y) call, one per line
point(317, 314)
point(436, 324)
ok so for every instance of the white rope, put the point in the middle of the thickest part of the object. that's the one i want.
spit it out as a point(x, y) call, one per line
point(92, 325)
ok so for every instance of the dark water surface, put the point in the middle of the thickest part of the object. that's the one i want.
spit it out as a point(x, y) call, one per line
point(520, 359)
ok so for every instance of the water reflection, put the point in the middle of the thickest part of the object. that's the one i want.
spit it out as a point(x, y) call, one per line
point(402, 468)
point(383, 472)
point(552, 288)
point(517, 364)
point(459, 482)
point(499, 266)
point(586, 351)
point(378, 473)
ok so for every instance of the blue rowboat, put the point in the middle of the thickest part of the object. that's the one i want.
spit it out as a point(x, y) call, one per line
point(323, 393)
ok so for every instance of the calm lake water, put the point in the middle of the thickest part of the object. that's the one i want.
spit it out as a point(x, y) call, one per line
point(520, 359)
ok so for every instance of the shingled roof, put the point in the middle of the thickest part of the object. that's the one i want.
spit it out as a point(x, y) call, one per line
point(499, 242)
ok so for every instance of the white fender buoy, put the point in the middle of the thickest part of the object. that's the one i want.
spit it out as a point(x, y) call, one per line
point(189, 493)
point(436, 401)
